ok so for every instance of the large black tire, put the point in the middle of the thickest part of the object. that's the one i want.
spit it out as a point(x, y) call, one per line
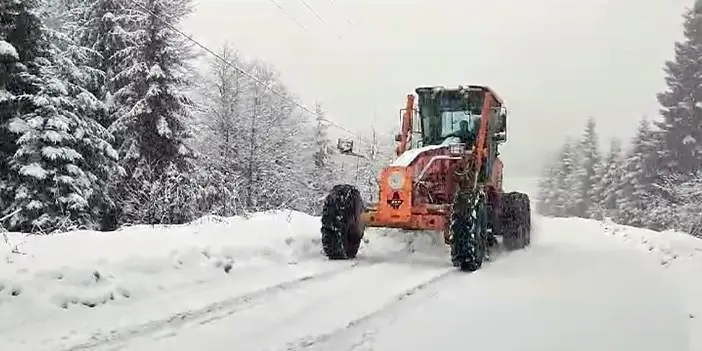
point(468, 231)
point(342, 228)
point(515, 220)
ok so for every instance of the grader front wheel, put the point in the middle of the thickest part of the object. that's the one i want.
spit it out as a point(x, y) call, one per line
point(342, 228)
point(468, 231)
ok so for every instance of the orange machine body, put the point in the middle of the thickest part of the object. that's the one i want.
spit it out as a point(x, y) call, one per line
point(416, 191)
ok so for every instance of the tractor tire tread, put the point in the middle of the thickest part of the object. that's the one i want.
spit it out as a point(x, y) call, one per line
point(515, 220)
point(342, 230)
point(468, 232)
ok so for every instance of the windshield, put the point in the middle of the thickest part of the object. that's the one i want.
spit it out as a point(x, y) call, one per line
point(443, 112)
point(451, 122)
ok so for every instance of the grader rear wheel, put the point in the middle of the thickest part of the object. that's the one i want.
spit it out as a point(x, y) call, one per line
point(342, 228)
point(515, 221)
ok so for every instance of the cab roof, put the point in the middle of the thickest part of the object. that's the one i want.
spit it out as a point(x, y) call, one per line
point(482, 88)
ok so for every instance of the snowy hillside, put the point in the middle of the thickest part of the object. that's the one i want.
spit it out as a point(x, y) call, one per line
point(261, 284)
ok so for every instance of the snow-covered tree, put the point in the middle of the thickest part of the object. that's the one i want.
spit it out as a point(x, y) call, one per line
point(377, 151)
point(639, 174)
point(109, 29)
point(609, 176)
point(564, 201)
point(681, 102)
point(61, 164)
point(256, 146)
point(588, 160)
point(85, 81)
point(275, 146)
point(219, 131)
point(22, 47)
point(162, 196)
point(682, 205)
point(222, 108)
point(257, 137)
point(324, 172)
point(324, 150)
point(153, 110)
point(9, 107)
point(546, 189)
point(57, 173)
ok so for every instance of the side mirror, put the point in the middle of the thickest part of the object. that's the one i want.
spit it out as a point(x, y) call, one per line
point(345, 146)
point(398, 137)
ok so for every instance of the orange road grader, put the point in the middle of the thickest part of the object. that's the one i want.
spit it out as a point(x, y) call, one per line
point(447, 177)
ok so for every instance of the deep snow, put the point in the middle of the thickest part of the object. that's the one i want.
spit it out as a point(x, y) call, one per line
point(261, 284)
point(85, 288)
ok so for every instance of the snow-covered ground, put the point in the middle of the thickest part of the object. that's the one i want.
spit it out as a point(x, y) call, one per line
point(83, 289)
point(261, 284)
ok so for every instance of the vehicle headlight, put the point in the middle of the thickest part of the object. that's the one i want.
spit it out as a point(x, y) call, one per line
point(396, 180)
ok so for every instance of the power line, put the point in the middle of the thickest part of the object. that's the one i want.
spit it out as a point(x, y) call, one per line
point(338, 9)
point(307, 5)
point(239, 69)
point(291, 17)
point(298, 23)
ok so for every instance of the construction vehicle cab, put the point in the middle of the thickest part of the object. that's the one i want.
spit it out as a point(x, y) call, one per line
point(447, 177)
point(454, 113)
point(451, 115)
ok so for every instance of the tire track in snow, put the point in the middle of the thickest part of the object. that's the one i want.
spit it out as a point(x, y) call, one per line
point(213, 311)
point(223, 308)
point(303, 316)
point(396, 303)
point(359, 339)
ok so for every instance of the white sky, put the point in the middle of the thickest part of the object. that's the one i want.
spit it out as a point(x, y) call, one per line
point(554, 62)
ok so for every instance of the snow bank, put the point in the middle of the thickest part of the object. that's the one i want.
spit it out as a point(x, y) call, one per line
point(92, 268)
point(678, 254)
point(84, 284)
point(78, 273)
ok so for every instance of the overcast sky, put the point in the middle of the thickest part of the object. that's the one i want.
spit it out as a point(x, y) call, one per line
point(554, 62)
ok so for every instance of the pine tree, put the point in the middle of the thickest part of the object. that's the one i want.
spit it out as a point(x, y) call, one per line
point(9, 106)
point(101, 32)
point(546, 187)
point(609, 177)
point(22, 47)
point(152, 120)
point(588, 159)
point(564, 203)
point(681, 103)
point(636, 187)
point(681, 206)
point(106, 27)
point(57, 171)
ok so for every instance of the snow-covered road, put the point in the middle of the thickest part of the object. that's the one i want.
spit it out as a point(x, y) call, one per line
point(572, 290)
point(567, 292)
point(261, 284)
